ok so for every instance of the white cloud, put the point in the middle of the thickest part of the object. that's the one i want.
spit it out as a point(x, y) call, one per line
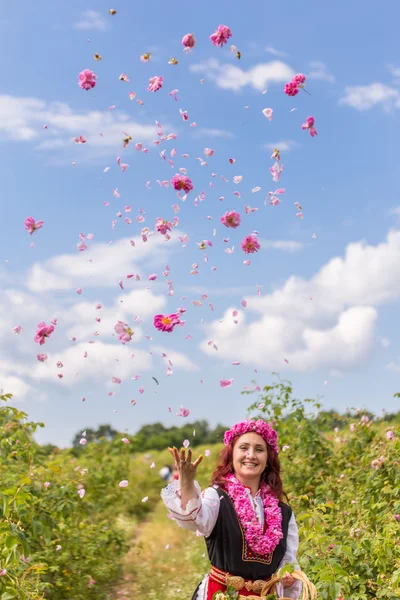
point(23, 118)
point(326, 321)
point(91, 19)
point(395, 211)
point(213, 133)
point(395, 71)
point(275, 52)
point(101, 265)
point(393, 366)
point(178, 360)
point(282, 145)
point(10, 384)
point(365, 97)
point(285, 245)
point(232, 77)
point(319, 70)
point(80, 318)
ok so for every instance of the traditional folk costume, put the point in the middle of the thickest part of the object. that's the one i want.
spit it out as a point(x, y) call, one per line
point(248, 539)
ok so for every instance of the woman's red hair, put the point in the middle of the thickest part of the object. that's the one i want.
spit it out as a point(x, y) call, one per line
point(271, 474)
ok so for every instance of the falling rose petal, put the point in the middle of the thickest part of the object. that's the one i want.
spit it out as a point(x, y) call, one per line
point(224, 383)
point(79, 291)
point(125, 440)
point(81, 492)
point(124, 483)
point(145, 499)
point(153, 465)
point(116, 380)
point(236, 363)
point(186, 444)
point(255, 189)
point(141, 390)
point(267, 112)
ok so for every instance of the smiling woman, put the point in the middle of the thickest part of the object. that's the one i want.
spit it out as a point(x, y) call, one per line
point(250, 532)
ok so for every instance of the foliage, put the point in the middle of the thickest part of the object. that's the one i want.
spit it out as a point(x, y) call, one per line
point(156, 436)
point(53, 543)
point(345, 492)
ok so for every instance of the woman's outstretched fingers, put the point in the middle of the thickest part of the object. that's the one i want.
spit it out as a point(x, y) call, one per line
point(198, 461)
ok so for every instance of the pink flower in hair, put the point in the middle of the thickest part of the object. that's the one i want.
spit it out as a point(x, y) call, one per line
point(86, 79)
point(31, 225)
point(155, 83)
point(181, 182)
point(188, 41)
point(250, 244)
point(231, 219)
point(261, 427)
point(309, 124)
point(221, 35)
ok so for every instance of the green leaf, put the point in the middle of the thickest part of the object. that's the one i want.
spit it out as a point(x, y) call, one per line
point(7, 595)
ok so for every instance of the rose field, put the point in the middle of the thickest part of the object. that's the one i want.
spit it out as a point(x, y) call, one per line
point(70, 531)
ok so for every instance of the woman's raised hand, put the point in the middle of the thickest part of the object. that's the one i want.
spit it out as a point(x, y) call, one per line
point(185, 467)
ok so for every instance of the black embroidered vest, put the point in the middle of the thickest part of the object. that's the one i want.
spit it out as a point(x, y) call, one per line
point(228, 550)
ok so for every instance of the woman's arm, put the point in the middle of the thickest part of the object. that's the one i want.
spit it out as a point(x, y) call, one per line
point(198, 513)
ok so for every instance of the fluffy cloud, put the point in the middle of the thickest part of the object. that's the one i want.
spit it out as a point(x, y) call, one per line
point(23, 118)
point(178, 360)
point(365, 97)
point(282, 145)
point(319, 70)
point(91, 20)
point(284, 245)
point(231, 77)
point(213, 133)
point(101, 265)
point(327, 321)
point(275, 52)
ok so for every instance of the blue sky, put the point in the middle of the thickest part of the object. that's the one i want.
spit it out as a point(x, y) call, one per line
point(329, 283)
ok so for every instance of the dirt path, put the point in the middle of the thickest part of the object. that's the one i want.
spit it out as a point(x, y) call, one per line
point(164, 562)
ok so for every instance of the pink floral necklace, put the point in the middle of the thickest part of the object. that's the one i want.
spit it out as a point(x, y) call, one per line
point(259, 542)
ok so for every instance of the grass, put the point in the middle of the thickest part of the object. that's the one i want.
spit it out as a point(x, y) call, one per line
point(156, 573)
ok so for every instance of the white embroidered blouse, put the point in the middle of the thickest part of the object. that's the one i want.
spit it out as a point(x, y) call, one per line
point(201, 515)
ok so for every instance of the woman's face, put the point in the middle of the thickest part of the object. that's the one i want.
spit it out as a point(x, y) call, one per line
point(250, 457)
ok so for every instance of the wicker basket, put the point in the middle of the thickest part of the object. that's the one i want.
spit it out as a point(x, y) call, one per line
point(309, 591)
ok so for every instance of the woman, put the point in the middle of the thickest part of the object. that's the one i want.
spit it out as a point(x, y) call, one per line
point(250, 533)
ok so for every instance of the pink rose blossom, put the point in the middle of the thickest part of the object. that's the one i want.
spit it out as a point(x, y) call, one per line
point(188, 41)
point(309, 124)
point(231, 219)
point(166, 322)
point(389, 435)
point(17, 330)
point(86, 79)
point(43, 331)
point(181, 182)
point(183, 412)
point(209, 152)
point(155, 83)
point(42, 357)
point(299, 79)
point(291, 88)
point(250, 244)
point(224, 383)
point(221, 35)
point(163, 226)
point(31, 225)
point(123, 331)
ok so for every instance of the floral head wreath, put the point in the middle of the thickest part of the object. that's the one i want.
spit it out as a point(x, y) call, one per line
point(261, 427)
